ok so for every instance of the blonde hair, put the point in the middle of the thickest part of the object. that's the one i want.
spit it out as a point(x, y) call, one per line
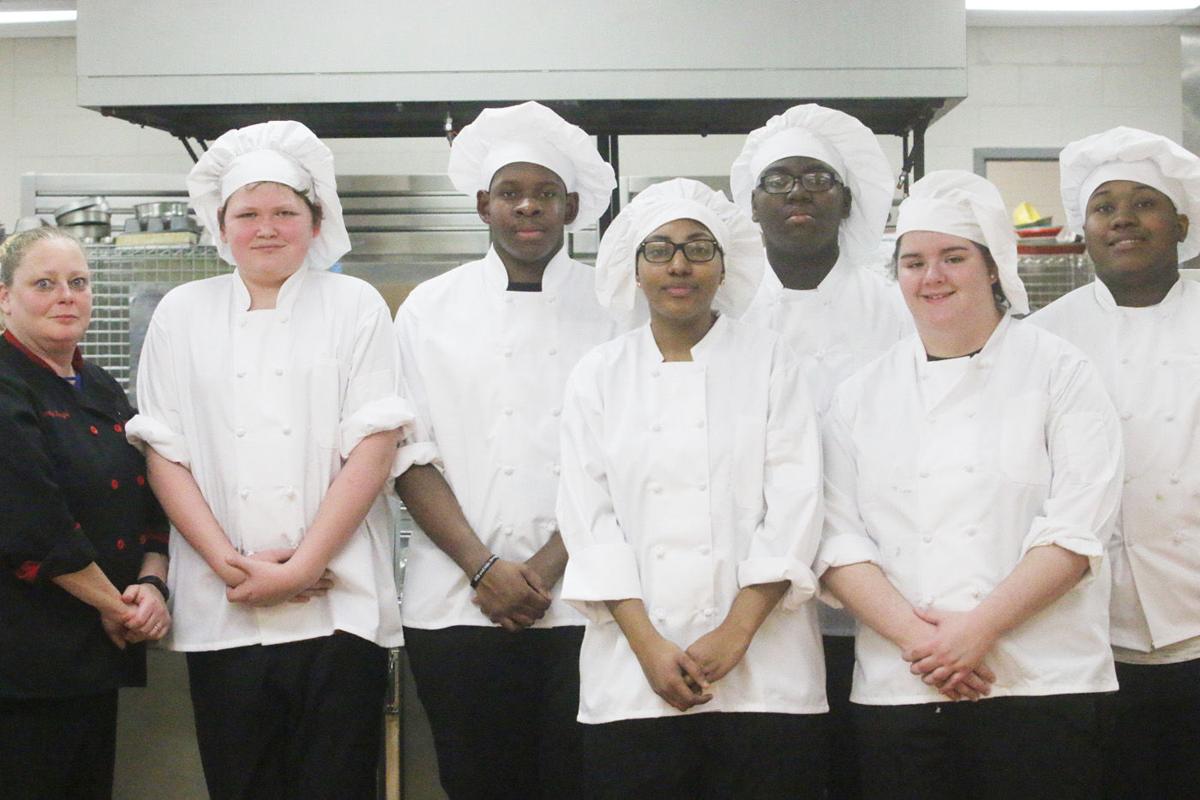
point(17, 246)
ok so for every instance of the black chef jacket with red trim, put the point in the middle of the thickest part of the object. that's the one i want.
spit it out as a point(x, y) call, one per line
point(72, 491)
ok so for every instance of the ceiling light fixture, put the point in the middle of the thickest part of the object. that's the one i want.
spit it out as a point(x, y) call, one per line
point(1081, 5)
point(33, 17)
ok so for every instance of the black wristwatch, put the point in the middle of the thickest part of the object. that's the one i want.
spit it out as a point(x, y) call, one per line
point(157, 583)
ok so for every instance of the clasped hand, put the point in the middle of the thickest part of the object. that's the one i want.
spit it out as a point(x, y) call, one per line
point(949, 656)
point(512, 595)
point(143, 617)
point(271, 577)
point(683, 678)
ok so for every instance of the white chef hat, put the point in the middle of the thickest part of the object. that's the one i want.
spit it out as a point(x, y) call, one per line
point(842, 142)
point(284, 152)
point(655, 206)
point(532, 133)
point(961, 203)
point(1129, 154)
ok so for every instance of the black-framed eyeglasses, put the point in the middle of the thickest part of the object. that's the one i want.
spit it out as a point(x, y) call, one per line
point(782, 182)
point(697, 251)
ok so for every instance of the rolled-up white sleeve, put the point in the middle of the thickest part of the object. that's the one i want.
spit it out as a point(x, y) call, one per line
point(844, 537)
point(784, 545)
point(419, 445)
point(1083, 437)
point(373, 401)
point(601, 565)
point(158, 423)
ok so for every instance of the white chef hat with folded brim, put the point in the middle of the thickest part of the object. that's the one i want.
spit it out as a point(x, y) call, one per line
point(842, 142)
point(531, 133)
point(655, 206)
point(961, 203)
point(1129, 154)
point(283, 152)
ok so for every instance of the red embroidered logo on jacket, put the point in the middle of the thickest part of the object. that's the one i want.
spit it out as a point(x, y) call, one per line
point(28, 571)
point(57, 414)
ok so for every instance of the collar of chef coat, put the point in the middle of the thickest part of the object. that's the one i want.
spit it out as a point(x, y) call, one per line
point(495, 276)
point(1164, 309)
point(702, 350)
point(830, 286)
point(982, 360)
point(284, 301)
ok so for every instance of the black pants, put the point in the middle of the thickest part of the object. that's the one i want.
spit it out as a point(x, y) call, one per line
point(707, 756)
point(1154, 751)
point(997, 749)
point(844, 781)
point(295, 721)
point(58, 748)
point(502, 708)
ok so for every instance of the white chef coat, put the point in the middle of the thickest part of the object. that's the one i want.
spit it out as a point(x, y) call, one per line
point(682, 483)
point(851, 318)
point(263, 407)
point(947, 489)
point(1149, 359)
point(485, 368)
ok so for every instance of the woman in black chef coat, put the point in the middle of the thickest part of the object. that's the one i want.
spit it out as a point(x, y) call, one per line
point(82, 542)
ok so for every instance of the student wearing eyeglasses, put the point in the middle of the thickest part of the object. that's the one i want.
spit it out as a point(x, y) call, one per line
point(820, 188)
point(690, 505)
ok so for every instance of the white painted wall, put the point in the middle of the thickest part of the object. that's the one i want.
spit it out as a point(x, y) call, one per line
point(1029, 87)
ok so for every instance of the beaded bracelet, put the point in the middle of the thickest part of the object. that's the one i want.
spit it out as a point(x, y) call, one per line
point(478, 576)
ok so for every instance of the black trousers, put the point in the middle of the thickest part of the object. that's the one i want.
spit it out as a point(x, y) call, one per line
point(1154, 750)
point(844, 781)
point(295, 721)
point(707, 756)
point(502, 708)
point(58, 748)
point(996, 749)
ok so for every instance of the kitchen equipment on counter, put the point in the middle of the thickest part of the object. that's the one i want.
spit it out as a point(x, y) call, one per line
point(87, 219)
point(160, 209)
point(30, 222)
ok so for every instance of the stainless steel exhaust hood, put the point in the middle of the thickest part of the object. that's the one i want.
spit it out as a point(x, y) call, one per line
point(407, 68)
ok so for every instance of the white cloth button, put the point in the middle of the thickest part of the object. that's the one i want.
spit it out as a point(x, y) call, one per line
point(708, 612)
point(290, 492)
point(1174, 479)
point(656, 427)
point(556, 469)
point(284, 318)
point(287, 431)
point(550, 298)
point(703, 487)
point(507, 530)
point(240, 432)
point(705, 550)
point(969, 468)
point(557, 412)
point(508, 299)
point(972, 531)
point(656, 488)
point(508, 470)
point(1126, 416)
point(700, 423)
point(660, 613)
point(927, 600)
point(279, 370)
point(977, 594)
point(1169, 418)
point(1165, 362)
point(244, 493)
point(553, 351)
point(970, 415)
point(924, 474)
point(654, 373)
point(508, 412)
point(660, 551)
point(927, 539)
point(1128, 479)
point(241, 373)
point(1125, 361)
point(508, 352)
point(241, 323)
